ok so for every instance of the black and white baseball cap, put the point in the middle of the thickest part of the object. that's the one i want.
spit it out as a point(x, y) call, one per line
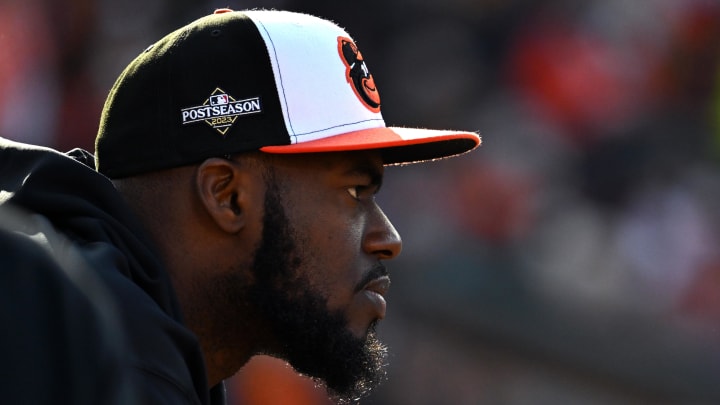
point(274, 81)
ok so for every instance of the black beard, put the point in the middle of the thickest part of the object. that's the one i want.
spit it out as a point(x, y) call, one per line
point(315, 341)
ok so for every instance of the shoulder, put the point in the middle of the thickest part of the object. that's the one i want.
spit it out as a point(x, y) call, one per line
point(64, 341)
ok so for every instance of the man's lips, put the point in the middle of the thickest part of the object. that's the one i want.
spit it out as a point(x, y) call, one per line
point(375, 291)
point(374, 277)
point(379, 285)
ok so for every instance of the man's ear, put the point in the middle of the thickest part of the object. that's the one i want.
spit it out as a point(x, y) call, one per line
point(222, 189)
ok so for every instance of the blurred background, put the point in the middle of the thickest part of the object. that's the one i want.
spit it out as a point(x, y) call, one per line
point(573, 259)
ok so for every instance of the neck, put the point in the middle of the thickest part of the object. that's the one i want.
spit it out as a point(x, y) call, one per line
point(227, 338)
point(222, 364)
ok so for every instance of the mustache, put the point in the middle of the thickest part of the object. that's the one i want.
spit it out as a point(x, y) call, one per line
point(377, 271)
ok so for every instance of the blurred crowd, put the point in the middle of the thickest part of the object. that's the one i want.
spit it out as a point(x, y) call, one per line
point(591, 205)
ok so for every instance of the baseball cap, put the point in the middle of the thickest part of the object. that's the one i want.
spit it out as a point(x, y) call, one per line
point(268, 80)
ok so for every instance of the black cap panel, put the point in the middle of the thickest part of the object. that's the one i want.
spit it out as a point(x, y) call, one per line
point(204, 90)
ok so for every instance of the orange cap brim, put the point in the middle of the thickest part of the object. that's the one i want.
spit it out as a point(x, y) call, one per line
point(398, 145)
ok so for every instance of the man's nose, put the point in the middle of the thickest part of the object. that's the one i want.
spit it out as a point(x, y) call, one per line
point(381, 238)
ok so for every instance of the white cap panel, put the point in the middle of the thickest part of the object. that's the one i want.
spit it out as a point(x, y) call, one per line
point(315, 94)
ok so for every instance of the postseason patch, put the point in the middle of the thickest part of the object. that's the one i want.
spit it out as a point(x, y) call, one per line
point(220, 110)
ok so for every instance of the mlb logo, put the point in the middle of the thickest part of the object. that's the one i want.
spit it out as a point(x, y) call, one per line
point(219, 99)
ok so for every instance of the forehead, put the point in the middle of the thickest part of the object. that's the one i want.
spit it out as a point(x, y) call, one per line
point(331, 163)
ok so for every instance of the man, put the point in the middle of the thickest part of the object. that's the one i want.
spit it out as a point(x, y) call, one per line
point(235, 213)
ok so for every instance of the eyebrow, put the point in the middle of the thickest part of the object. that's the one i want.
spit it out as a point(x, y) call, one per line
point(368, 170)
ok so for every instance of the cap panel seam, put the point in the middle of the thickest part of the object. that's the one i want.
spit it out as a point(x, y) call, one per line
point(340, 126)
point(280, 79)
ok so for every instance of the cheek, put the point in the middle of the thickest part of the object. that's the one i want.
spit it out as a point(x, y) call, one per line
point(331, 251)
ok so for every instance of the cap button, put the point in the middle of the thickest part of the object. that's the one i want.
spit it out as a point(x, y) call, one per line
point(222, 10)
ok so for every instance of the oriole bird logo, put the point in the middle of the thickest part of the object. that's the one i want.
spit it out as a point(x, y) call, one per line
point(358, 75)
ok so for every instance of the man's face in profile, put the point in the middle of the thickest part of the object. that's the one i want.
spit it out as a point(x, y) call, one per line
point(317, 274)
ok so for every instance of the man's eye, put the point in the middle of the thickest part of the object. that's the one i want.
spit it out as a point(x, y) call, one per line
point(356, 192)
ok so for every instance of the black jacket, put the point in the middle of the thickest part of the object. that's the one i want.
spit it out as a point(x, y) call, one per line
point(92, 310)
